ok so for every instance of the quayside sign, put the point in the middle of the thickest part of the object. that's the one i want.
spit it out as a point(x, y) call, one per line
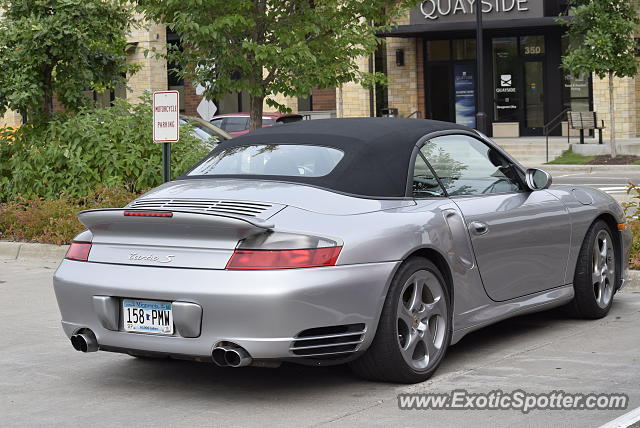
point(464, 10)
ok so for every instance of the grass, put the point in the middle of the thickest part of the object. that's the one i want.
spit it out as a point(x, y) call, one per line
point(568, 157)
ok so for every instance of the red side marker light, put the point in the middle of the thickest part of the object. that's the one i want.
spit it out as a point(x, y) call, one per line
point(78, 251)
point(283, 259)
point(147, 214)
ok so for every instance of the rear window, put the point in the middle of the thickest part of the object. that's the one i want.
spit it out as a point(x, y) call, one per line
point(234, 124)
point(272, 159)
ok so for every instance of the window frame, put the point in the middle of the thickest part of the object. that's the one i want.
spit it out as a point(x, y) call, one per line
point(460, 132)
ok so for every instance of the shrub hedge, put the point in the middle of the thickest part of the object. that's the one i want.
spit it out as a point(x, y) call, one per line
point(74, 154)
point(54, 221)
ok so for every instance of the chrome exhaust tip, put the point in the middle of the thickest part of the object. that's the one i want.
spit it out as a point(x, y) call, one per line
point(218, 356)
point(237, 357)
point(84, 342)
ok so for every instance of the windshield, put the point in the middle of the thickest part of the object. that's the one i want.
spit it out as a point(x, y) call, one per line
point(272, 159)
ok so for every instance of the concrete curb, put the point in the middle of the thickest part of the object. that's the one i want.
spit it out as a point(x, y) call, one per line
point(25, 250)
point(633, 281)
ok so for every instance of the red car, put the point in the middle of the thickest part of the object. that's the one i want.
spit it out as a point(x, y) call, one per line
point(237, 124)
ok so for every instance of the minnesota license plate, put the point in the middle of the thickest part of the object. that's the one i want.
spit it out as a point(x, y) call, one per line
point(147, 316)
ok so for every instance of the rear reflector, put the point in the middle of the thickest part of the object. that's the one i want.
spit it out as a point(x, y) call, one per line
point(78, 251)
point(147, 214)
point(283, 259)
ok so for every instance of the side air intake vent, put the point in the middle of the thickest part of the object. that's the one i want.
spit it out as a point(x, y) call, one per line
point(243, 208)
point(328, 342)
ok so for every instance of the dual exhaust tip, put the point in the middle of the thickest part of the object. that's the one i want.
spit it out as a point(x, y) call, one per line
point(224, 356)
point(231, 356)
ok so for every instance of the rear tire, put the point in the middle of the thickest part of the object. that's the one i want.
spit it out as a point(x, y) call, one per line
point(596, 273)
point(414, 331)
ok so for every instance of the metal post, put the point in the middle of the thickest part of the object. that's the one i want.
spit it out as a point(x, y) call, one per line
point(166, 162)
point(481, 117)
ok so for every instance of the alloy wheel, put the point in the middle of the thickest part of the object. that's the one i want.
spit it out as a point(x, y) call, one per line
point(421, 320)
point(604, 272)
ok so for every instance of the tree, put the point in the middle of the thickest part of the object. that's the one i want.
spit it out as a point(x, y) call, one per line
point(270, 47)
point(602, 33)
point(60, 47)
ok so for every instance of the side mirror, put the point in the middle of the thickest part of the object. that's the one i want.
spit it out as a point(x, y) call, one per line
point(538, 179)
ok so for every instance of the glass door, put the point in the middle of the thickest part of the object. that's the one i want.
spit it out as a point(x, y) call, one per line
point(518, 82)
point(534, 96)
point(532, 51)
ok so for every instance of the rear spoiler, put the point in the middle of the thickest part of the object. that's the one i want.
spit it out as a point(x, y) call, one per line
point(90, 218)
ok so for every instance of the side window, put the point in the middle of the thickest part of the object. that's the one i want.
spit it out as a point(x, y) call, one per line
point(425, 185)
point(467, 166)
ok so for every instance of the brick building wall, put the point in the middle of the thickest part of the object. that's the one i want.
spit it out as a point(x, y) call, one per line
point(324, 99)
point(190, 100)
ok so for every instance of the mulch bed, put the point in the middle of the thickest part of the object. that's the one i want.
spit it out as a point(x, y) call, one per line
point(619, 160)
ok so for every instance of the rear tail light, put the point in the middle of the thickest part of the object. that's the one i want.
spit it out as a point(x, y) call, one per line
point(283, 259)
point(78, 251)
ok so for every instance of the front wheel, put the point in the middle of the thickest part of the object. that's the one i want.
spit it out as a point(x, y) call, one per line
point(596, 273)
point(414, 331)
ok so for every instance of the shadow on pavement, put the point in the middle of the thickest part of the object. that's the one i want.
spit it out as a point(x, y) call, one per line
point(290, 379)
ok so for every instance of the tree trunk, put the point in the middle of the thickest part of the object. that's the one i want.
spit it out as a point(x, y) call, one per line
point(255, 112)
point(340, 106)
point(612, 114)
point(46, 108)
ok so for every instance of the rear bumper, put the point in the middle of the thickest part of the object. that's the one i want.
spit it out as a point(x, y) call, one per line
point(262, 311)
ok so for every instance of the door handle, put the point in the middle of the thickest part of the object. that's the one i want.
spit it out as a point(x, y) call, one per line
point(478, 228)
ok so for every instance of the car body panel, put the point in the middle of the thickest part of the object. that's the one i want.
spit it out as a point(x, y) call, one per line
point(259, 310)
point(526, 246)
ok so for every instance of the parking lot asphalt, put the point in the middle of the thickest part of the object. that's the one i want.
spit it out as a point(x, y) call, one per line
point(43, 381)
point(613, 181)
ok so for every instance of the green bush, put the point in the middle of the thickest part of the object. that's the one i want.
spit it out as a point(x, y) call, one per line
point(633, 223)
point(73, 154)
point(54, 221)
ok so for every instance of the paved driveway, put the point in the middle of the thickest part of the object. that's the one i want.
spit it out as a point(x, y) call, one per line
point(43, 381)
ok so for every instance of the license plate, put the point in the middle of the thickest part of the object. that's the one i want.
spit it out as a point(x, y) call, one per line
point(147, 316)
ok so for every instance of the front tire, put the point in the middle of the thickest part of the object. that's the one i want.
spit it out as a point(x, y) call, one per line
point(414, 331)
point(596, 273)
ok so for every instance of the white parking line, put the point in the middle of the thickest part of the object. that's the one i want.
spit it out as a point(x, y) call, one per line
point(606, 189)
point(625, 420)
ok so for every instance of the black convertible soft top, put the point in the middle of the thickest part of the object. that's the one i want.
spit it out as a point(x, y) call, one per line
point(377, 151)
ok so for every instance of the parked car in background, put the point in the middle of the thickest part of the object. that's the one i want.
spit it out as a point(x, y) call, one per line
point(238, 123)
point(204, 130)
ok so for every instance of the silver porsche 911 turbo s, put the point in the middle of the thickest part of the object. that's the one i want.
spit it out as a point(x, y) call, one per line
point(373, 242)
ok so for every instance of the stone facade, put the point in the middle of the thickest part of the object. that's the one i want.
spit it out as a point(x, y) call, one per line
point(152, 75)
point(10, 118)
point(402, 87)
point(626, 103)
point(352, 99)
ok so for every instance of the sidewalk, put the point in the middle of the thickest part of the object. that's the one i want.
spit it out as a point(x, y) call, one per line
point(25, 250)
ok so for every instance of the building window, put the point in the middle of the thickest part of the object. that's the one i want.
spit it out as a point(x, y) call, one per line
point(576, 90)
